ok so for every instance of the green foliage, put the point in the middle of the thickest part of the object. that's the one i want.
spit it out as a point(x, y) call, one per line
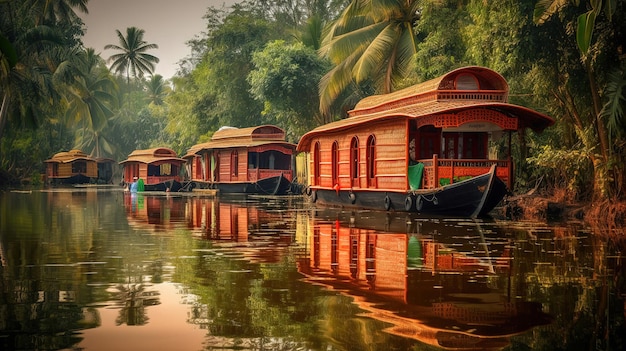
point(372, 42)
point(567, 168)
point(439, 51)
point(285, 78)
point(613, 110)
point(493, 35)
point(245, 70)
point(132, 57)
point(157, 89)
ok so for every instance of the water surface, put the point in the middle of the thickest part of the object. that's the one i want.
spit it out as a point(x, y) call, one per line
point(90, 269)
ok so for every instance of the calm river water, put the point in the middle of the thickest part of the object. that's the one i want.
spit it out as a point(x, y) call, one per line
point(100, 269)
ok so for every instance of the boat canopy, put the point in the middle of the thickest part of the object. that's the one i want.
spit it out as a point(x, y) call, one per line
point(153, 155)
point(232, 137)
point(464, 95)
point(69, 156)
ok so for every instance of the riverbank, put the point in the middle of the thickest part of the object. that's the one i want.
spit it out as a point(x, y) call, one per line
point(610, 216)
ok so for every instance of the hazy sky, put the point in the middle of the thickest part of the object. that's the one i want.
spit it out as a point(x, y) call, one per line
point(167, 23)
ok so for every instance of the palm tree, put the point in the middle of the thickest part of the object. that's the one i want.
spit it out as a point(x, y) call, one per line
point(30, 54)
point(157, 89)
point(56, 11)
point(132, 57)
point(90, 92)
point(25, 85)
point(370, 41)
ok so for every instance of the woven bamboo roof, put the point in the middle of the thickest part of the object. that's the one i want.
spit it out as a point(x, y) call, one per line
point(230, 137)
point(153, 155)
point(70, 156)
point(437, 96)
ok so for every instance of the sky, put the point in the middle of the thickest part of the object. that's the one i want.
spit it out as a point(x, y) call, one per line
point(167, 23)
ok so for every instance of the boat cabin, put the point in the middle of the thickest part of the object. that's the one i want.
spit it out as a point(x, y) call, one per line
point(153, 166)
point(241, 155)
point(423, 137)
point(71, 167)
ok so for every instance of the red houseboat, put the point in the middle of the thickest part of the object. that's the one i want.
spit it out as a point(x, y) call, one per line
point(159, 168)
point(421, 149)
point(255, 160)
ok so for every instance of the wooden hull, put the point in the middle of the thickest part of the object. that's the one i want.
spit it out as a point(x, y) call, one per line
point(471, 198)
point(278, 185)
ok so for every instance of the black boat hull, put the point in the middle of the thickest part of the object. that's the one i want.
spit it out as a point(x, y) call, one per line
point(169, 185)
point(72, 180)
point(278, 185)
point(471, 198)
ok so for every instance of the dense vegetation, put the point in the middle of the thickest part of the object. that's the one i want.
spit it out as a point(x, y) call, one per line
point(299, 64)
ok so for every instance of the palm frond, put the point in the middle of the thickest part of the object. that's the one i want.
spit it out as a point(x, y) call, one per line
point(613, 109)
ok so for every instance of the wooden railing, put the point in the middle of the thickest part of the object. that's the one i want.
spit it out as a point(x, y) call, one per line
point(439, 172)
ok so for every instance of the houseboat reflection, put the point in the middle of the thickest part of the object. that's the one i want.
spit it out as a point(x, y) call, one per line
point(452, 291)
point(262, 234)
point(156, 212)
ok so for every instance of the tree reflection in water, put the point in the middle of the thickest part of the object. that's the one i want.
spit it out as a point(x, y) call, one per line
point(132, 299)
point(276, 274)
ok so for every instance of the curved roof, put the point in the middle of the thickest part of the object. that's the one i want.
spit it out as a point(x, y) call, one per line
point(265, 132)
point(153, 155)
point(449, 94)
point(488, 81)
point(70, 156)
point(230, 137)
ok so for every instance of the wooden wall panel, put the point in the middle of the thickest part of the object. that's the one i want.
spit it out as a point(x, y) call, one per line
point(92, 170)
point(391, 155)
point(243, 165)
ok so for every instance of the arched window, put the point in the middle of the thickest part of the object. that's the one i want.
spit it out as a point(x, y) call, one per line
point(316, 163)
point(354, 161)
point(466, 81)
point(234, 163)
point(335, 162)
point(370, 160)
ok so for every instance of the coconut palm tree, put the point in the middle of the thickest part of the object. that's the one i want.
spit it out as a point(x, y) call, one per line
point(132, 57)
point(30, 42)
point(56, 11)
point(91, 92)
point(157, 89)
point(372, 40)
point(25, 85)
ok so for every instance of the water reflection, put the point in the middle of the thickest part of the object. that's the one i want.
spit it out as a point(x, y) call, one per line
point(159, 213)
point(260, 233)
point(445, 284)
point(107, 270)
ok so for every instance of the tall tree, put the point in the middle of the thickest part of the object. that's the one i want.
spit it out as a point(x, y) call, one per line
point(370, 41)
point(31, 50)
point(30, 43)
point(56, 11)
point(90, 95)
point(90, 92)
point(132, 57)
point(157, 89)
point(285, 78)
point(599, 56)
